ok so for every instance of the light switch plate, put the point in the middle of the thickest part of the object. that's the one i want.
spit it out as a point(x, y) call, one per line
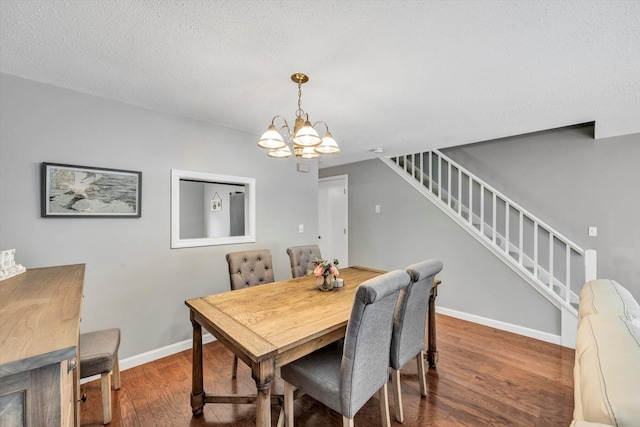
point(593, 231)
point(300, 228)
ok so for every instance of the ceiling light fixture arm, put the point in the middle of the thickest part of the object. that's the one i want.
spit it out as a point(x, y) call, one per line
point(285, 126)
point(326, 126)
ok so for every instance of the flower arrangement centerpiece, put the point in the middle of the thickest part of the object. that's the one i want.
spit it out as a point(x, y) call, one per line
point(323, 271)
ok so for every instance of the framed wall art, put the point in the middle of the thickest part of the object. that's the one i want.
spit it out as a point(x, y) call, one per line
point(216, 203)
point(84, 191)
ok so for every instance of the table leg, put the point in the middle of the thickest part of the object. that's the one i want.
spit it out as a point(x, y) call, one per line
point(432, 352)
point(77, 395)
point(197, 383)
point(263, 373)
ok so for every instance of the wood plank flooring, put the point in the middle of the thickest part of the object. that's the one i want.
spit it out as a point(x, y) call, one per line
point(485, 377)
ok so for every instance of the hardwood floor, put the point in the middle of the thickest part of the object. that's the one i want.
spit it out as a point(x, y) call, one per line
point(485, 377)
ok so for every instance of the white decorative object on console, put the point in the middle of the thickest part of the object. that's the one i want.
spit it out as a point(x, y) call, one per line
point(8, 266)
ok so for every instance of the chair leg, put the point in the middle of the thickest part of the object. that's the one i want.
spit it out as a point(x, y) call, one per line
point(116, 374)
point(281, 418)
point(234, 371)
point(384, 406)
point(288, 404)
point(421, 377)
point(106, 397)
point(397, 393)
point(347, 422)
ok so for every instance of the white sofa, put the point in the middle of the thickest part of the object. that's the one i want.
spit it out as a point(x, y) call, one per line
point(607, 367)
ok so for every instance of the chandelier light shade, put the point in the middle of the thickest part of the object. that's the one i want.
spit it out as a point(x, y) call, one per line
point(271, 139)
point(307, 153)
point(280, 153)
point(307, 136)
point(304, 139)
point(328, 145)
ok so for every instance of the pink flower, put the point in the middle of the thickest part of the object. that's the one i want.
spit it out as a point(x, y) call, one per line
point(318, 271)
point(334, 270)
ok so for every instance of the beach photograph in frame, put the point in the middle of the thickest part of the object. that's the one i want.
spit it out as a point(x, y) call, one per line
point(84, 191)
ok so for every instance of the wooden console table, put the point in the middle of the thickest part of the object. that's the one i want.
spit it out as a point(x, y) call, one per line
point(39, 332)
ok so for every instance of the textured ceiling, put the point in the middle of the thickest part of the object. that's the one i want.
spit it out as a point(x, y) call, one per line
point(401, 75)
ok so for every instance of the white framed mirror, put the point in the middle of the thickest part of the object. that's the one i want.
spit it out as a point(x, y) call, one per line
point(210, 209)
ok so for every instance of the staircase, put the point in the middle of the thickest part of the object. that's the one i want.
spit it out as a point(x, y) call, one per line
point(544, 258)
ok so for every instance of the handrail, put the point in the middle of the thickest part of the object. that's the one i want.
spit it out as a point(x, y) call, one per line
point(512, 203)
point(440, 185)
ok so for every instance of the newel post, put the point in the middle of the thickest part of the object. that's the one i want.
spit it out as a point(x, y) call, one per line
point(590, 265)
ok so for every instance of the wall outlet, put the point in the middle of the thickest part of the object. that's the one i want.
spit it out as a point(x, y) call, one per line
point(593, 231)
point(377, 208)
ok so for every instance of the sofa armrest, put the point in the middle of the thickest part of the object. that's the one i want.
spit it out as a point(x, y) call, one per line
point(608, 373)
point(605, 296)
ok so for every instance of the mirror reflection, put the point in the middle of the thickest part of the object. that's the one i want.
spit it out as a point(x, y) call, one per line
point(211, 209)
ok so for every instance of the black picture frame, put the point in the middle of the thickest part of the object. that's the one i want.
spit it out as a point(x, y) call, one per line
point(71, 191)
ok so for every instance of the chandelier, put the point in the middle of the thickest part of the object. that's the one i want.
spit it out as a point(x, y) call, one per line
point(304, 139)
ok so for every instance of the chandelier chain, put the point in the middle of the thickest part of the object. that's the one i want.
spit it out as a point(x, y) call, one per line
point(300, 111)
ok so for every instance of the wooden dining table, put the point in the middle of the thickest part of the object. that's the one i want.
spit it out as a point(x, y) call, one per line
point(268, 326)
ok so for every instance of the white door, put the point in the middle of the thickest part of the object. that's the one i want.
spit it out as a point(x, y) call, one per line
point(333, 219)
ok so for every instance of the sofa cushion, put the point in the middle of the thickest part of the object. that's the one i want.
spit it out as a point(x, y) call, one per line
point(607, 357)
point(604, 296)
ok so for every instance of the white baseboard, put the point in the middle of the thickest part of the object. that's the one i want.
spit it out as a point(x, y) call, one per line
point(150, 356)
point(503, 326)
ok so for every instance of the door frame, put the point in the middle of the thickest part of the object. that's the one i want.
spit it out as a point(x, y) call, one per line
point(345, 179)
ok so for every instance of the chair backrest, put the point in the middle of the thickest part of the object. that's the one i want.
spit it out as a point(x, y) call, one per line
point(410, 316)
point(302, 258)
point(250, 268)
point(365, 358)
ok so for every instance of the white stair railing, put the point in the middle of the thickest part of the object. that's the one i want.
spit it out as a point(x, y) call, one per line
point(541, 255)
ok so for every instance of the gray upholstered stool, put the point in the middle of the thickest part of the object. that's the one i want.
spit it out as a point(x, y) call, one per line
point(99, 355)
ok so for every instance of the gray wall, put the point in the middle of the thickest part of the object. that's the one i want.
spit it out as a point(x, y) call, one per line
point(133, 279)
point(409, 229)
point(564, 176)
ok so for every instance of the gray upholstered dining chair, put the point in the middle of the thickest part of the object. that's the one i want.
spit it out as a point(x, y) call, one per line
point(345, 381)
point(302, 258)
point(407, 339)
point(249, 268)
